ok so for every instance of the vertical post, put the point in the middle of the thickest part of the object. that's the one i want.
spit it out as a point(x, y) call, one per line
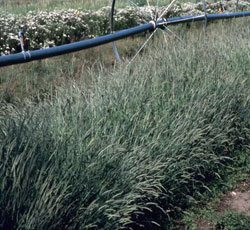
point(237, 4)
point(112, 28)
point(222, 6)
point(205, 11)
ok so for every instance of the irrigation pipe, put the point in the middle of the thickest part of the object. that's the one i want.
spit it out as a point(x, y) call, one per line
point(29, 56)
point(210, 17)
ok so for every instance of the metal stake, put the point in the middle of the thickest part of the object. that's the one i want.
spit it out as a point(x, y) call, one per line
point(205, 11)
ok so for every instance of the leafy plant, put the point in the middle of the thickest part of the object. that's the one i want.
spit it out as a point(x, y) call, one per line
point(233, 221)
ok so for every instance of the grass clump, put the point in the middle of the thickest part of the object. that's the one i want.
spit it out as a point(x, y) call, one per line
point(133, 148)
point(233, 221)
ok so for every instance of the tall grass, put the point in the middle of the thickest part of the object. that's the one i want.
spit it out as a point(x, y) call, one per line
point(131, 148)
point(23, 6)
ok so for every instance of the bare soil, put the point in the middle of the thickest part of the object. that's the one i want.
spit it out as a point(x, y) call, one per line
point(236, 200)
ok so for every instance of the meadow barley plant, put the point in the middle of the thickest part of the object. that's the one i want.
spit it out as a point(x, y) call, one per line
point(134, 147)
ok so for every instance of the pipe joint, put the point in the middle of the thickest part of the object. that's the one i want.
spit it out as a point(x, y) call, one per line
point(154, 24)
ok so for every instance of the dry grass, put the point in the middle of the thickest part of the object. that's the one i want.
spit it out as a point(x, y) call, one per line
point(22, 6)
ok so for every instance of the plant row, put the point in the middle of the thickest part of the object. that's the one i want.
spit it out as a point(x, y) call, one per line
point(134, 148)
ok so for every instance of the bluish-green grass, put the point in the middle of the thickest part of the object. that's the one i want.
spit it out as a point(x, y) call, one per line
point(127, 147)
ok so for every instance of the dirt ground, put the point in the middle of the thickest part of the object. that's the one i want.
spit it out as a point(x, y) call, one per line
point(236, 200)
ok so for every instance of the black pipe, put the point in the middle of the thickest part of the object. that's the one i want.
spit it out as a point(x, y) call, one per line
point(85, 44)
point(191, 18)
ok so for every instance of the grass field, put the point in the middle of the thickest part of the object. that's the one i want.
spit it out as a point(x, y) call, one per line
point(88, 143)
point(23, 6)
point(20, 6)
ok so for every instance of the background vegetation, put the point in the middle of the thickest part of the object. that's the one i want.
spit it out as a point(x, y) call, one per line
point(45, 29)
point(22, 6)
